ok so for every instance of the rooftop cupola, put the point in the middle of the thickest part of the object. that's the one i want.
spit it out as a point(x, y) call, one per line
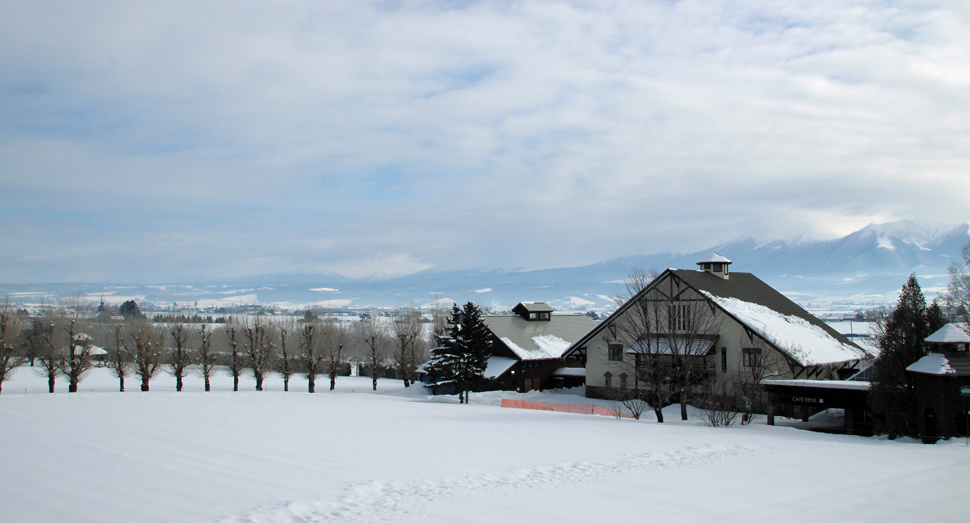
point(715, 264)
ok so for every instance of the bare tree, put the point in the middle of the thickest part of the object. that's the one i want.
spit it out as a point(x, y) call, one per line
point(77, 361)
point(147, 350)
point(407, 330)
point(207, 360)
point(758, 361)
point(957, 294)
point(235, 360)
point(333, 344)
point(45, 344)
point(375, 339)
point(118, 360)
point(285, 366)
point(10, 356)
point(312, 354)
point(669, 330)
point(640, 329)
point(439, 319)
point(261, 350)
point(180, 357)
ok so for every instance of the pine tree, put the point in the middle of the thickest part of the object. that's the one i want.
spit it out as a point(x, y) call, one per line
point(461, 357)
point(893, 394)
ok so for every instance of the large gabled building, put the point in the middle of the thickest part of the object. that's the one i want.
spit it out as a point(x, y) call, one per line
point(753, 325)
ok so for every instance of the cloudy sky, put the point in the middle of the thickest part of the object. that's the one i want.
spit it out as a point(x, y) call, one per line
point(147, 141)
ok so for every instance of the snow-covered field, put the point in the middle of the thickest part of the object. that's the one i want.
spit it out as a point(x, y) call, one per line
point(400, 455)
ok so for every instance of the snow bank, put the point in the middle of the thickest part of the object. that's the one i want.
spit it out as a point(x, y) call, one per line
point(246, 457)
point(806, 343)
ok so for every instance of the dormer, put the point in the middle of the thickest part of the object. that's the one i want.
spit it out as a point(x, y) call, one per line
point(533, 311)
point(715, 264)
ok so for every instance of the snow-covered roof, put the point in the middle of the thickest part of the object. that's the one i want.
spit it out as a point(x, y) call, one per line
point(714, 258)
point(537, 340)
point(808, 344)
point(949, 333)
point(820, 384)
point(932, 363)
point(497, 366)
point(570, 371)
point(546, 349)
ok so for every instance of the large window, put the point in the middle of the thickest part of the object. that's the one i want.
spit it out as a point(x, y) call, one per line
point(616, 352)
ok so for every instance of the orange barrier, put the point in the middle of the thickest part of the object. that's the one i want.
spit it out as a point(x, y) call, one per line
point(563, 407)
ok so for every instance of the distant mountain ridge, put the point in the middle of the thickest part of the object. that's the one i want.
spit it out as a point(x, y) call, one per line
point(871, 262)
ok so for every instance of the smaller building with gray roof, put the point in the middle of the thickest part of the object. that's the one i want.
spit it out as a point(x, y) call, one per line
point(528, 348)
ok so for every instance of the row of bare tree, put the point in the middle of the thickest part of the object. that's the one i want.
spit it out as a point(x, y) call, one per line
point(62, 343)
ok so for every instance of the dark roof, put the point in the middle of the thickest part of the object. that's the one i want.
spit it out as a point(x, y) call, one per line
point(960, 362)
point(531, 306)
point(742, 286)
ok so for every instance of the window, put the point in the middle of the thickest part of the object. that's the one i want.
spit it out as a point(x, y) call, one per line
point(723, 359)
point(616, 352)
point(533, 315)
point(707, 266)
point(623, 380)
point(717, 267)
point(607, 380)
point(751, 357)
point(543, 315)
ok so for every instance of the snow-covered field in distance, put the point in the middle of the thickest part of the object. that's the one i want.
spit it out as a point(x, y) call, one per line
point(400, 455)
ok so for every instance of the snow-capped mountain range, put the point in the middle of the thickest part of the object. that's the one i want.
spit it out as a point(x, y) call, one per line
point(868, 266)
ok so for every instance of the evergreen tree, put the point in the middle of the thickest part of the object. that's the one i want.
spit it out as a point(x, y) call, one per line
point(461, 357)
point(893, 395)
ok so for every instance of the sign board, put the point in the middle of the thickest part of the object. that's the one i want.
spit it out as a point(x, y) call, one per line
point(965, 391)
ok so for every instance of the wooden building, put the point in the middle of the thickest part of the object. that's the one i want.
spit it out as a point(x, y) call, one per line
point(943, 385)
point(528, 348)
point(731, 325)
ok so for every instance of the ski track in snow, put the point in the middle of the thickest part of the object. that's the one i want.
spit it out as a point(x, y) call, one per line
point(384, 500)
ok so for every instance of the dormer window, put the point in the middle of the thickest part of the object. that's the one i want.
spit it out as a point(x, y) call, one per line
point(717, 267)
point(533, 311)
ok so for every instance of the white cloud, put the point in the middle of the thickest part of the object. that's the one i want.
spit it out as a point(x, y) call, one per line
point(181, 140)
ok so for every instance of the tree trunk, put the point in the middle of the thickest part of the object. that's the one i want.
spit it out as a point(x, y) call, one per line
point(72, 387)
point(207, 387)
point(286, 384)
point(178, 383)
point(235, 383)
point(121, 383)
point(50, 383)
point(660, 415)
point(144, 384)
point(259, 381)
point(374, 380)
point(683, 404)
point(333, 381)
point(311, 383)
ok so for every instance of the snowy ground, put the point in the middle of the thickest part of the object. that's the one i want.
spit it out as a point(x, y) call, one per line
point(399, 455)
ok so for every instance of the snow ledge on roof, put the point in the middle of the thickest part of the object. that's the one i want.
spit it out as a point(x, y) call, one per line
point(808, 344)
point(933, 363)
